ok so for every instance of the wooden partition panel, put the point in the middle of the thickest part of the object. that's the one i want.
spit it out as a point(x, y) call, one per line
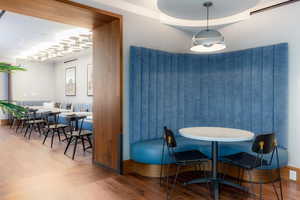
point(107, 94)
point(63, 11)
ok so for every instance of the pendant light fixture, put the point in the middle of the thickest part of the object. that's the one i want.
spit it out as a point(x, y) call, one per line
point(208, 40)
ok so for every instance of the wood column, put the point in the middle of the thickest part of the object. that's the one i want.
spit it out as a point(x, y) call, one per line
point(107, 106)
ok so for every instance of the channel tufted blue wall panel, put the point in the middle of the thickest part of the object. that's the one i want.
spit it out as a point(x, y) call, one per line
point(244, 89)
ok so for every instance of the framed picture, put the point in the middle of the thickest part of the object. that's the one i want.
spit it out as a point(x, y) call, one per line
point(90, 80)
point(70, 81)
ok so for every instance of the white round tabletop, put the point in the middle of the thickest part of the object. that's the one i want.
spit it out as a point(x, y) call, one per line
point(216, 134)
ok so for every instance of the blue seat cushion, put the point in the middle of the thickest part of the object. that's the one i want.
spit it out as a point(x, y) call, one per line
point(150, 151)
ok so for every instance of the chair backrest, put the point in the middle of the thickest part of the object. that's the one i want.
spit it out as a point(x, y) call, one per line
point(74, 122)
point(31, 113)
point(53, 117)
point(264, 144)
point(169, 138)
point(69, 106)
point(57, 105)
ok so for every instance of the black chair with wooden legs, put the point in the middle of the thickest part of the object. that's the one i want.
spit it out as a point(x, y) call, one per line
point(182, 159)
point(35, 123)
point(76, 133)
point(20, 121)
point(262, 146)
point(53, 127)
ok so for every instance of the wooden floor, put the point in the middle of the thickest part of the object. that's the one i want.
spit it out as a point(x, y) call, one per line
point(32, 171)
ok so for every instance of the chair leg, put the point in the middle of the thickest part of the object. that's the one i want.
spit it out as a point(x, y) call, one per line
point(46, 136)
point(32, 127)
point(18, 126)
point(90, 142)
point(69, 142)
point(27, 129)
point(58, 133)
point(280, 186)
point(39, 128)
point(168, 177)
point(64, 132)
point(174, 183)
point(275, 191)
point(12, 123)
point(52, 138)
point(23, 126)
point(75, 147)
point(82, 141)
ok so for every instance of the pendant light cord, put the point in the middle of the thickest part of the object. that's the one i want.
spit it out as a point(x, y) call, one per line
point(207, 17)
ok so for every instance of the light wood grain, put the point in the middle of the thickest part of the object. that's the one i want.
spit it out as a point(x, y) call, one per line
point(153, 171)
point(107, 94)
point(62, 11)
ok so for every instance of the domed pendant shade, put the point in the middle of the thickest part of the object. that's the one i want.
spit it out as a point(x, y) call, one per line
point(208, 40)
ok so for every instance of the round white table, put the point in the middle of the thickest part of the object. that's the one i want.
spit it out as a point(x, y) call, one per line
point(216, 135)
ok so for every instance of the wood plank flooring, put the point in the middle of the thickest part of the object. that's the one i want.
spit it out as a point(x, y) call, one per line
point(30, 170)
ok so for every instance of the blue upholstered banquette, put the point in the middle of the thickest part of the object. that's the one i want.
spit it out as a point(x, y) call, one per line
point(150, 151)
point(87, 124)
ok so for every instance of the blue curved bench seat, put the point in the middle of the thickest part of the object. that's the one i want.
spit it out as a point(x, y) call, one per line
point(87, 124)
point(150, 151)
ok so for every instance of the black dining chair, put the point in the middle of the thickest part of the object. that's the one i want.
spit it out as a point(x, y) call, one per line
point(181, 158)
point(35, 122)
point(19, 120)
point(263, 145)
point(76, 133)
point(53, 127)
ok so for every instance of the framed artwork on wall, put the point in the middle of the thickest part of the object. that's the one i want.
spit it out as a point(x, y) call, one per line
point(90, 80)
point(70, 81)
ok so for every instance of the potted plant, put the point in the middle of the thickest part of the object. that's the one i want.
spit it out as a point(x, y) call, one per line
point(5, 105)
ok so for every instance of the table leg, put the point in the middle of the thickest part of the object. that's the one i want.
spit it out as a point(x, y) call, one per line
point(215, 170)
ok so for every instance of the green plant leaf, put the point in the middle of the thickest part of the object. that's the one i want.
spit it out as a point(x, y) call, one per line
point(6, 67)
point(13, 109)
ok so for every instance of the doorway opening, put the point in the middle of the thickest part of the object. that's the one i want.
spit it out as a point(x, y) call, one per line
point(105, 68)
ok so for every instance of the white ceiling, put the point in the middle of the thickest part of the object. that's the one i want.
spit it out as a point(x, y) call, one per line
point(149, 8)
point(194, 10)
point(19, 33)
point(151, 4)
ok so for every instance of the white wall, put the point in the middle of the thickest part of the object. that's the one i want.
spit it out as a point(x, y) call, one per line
point(271, 27)
point(35, 84)
point(3, 90)
point(81, 79)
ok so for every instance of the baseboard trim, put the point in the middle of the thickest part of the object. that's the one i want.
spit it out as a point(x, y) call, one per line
point(4, 122)
point(153, 171)
point(285, 173)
